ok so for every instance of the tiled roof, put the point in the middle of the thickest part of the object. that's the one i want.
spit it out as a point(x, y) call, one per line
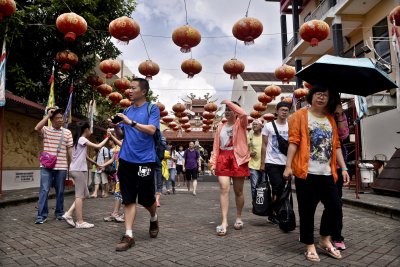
point(286, 88)
point(199, 102)
point(260, 76)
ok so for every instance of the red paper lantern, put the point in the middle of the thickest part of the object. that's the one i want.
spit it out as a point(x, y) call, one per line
point(172, 124)
point(272, 91)
point(104, 89)
point(7, 8)
point(309, 86)
point(185, 126)
point(95, 80)
point(163, 113)
point(115, 97)
point(167, 119)
point(149, 68)
point(208, 115)
point(314, 31)
point(180, 114)
point(300, 92)
point(210, 107)
point(247, 29)
point(122, 84)
point(188, 130)
point(160, 105)
point(224, 120)
point(110, 67)
point(124, 29)
point(285, 73)
point(269, 117)
point(234, 67)
point(191, 67)
point(178, 107)
point(124, 103)
point(208, 122)
point(249, 119)
point(260, 107)
point(394, 16)
point(265, 99)
point(126, 92)
point(71, 25)
point(66, 59)
point(255, 114)
point(288, 100)
point(183, 120)
point(206, 127)
point(186, 37)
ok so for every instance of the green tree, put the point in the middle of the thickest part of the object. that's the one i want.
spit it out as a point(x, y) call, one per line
point(33, 42)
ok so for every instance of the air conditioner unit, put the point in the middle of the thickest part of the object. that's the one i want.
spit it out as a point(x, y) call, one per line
point(379, 101)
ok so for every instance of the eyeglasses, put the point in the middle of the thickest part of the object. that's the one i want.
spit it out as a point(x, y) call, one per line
point(322, 95)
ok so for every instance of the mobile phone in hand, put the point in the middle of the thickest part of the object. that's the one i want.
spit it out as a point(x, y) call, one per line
point(116, 119)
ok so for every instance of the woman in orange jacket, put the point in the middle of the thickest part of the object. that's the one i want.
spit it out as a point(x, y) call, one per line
point(314, 148)
point(230, 158)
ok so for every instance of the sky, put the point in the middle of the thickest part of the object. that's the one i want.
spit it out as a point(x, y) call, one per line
point(212, 18)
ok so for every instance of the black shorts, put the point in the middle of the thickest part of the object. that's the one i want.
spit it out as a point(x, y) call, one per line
point(136, 180)
point(179, 169)
point(191, 174)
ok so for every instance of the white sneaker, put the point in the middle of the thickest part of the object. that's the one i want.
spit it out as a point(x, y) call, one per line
point(68, 220)
point(84, 225)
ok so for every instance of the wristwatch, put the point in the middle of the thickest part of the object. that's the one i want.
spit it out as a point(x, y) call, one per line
point(133, 123)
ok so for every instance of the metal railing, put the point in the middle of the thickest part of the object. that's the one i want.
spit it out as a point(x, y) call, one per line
point(289, 47)
point(321, 10)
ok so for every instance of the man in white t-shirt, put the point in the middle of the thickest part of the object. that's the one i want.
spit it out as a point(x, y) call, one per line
point(272, 157)
point(179, 166)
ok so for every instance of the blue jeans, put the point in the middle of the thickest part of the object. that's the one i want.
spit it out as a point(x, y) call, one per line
point(172, 174)
point(49, 178)
point(255, 175)
point(158, 178)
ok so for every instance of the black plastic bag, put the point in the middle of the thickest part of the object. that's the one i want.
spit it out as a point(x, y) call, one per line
point(262, 204)
point(286, 216)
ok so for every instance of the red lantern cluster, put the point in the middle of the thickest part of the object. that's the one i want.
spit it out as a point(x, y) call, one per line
point(124, 103)
point(122, 84)
point(104, 89)
point(186, 37)
point(188, 130)
point(110, 67)
point(148, 68)
point(163, 113)
point(272, 91)
point(191, 67)
point(178, 108)
point(394, 16)
point(66, 59)
point(210, 107)
point(300, 92)
point(71, 25)
point(288, 100)
point(7, 8)
point(208, 122)
point(167, 119)
point(208, 115)
point(314, 31)
point(224, 120)
point(206, 127)
point(260, 107)
point(115, 97)
point(160, 106)
point(234, 67)
point(269, 117)
point(124, 29)
point(285, 73)
point(183, 120)
point(186, 126)
point(247, 29)
point(255, 114)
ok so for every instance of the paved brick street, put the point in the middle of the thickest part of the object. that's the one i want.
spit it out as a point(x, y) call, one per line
point(187, 237)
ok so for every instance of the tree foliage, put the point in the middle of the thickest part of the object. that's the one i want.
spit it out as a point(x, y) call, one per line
point(33, 42)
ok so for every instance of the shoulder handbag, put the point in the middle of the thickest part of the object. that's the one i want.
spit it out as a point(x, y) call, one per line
point(283, 144)
point(262, 204)
point(48, 160)
point(109, 169)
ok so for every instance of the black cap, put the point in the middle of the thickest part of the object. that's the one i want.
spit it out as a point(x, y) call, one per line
point(283, 104)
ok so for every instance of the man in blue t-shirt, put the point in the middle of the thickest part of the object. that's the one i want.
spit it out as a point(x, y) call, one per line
point(137, 158)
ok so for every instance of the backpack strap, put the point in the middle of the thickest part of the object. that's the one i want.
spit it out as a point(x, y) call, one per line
point(149, 107)
point(276, 130)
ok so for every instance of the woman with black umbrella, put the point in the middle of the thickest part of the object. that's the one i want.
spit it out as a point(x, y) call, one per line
point(314, 148)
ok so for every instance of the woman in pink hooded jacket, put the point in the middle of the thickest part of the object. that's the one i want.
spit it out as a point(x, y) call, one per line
point(230, 158)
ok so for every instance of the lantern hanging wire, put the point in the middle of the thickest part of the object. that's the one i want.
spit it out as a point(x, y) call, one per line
point(187, 23)
point(144, 44)
point(247, 11)
point(235, 48)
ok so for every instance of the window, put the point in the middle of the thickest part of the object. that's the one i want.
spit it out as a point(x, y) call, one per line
point(381, 40)
point(357, 50)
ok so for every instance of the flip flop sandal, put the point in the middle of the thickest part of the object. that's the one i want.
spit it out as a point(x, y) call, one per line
point(332, 251)
point(238, 225)
point(221, 231)
point(312, 256)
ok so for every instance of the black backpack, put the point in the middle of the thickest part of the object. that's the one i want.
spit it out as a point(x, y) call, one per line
point(286, 216)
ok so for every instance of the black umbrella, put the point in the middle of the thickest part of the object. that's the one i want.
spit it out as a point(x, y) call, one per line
point(357, 76)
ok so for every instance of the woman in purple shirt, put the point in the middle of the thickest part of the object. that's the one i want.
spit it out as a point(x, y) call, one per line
point(78, 170)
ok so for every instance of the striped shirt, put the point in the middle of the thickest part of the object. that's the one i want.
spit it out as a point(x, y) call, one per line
point(51, 138)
